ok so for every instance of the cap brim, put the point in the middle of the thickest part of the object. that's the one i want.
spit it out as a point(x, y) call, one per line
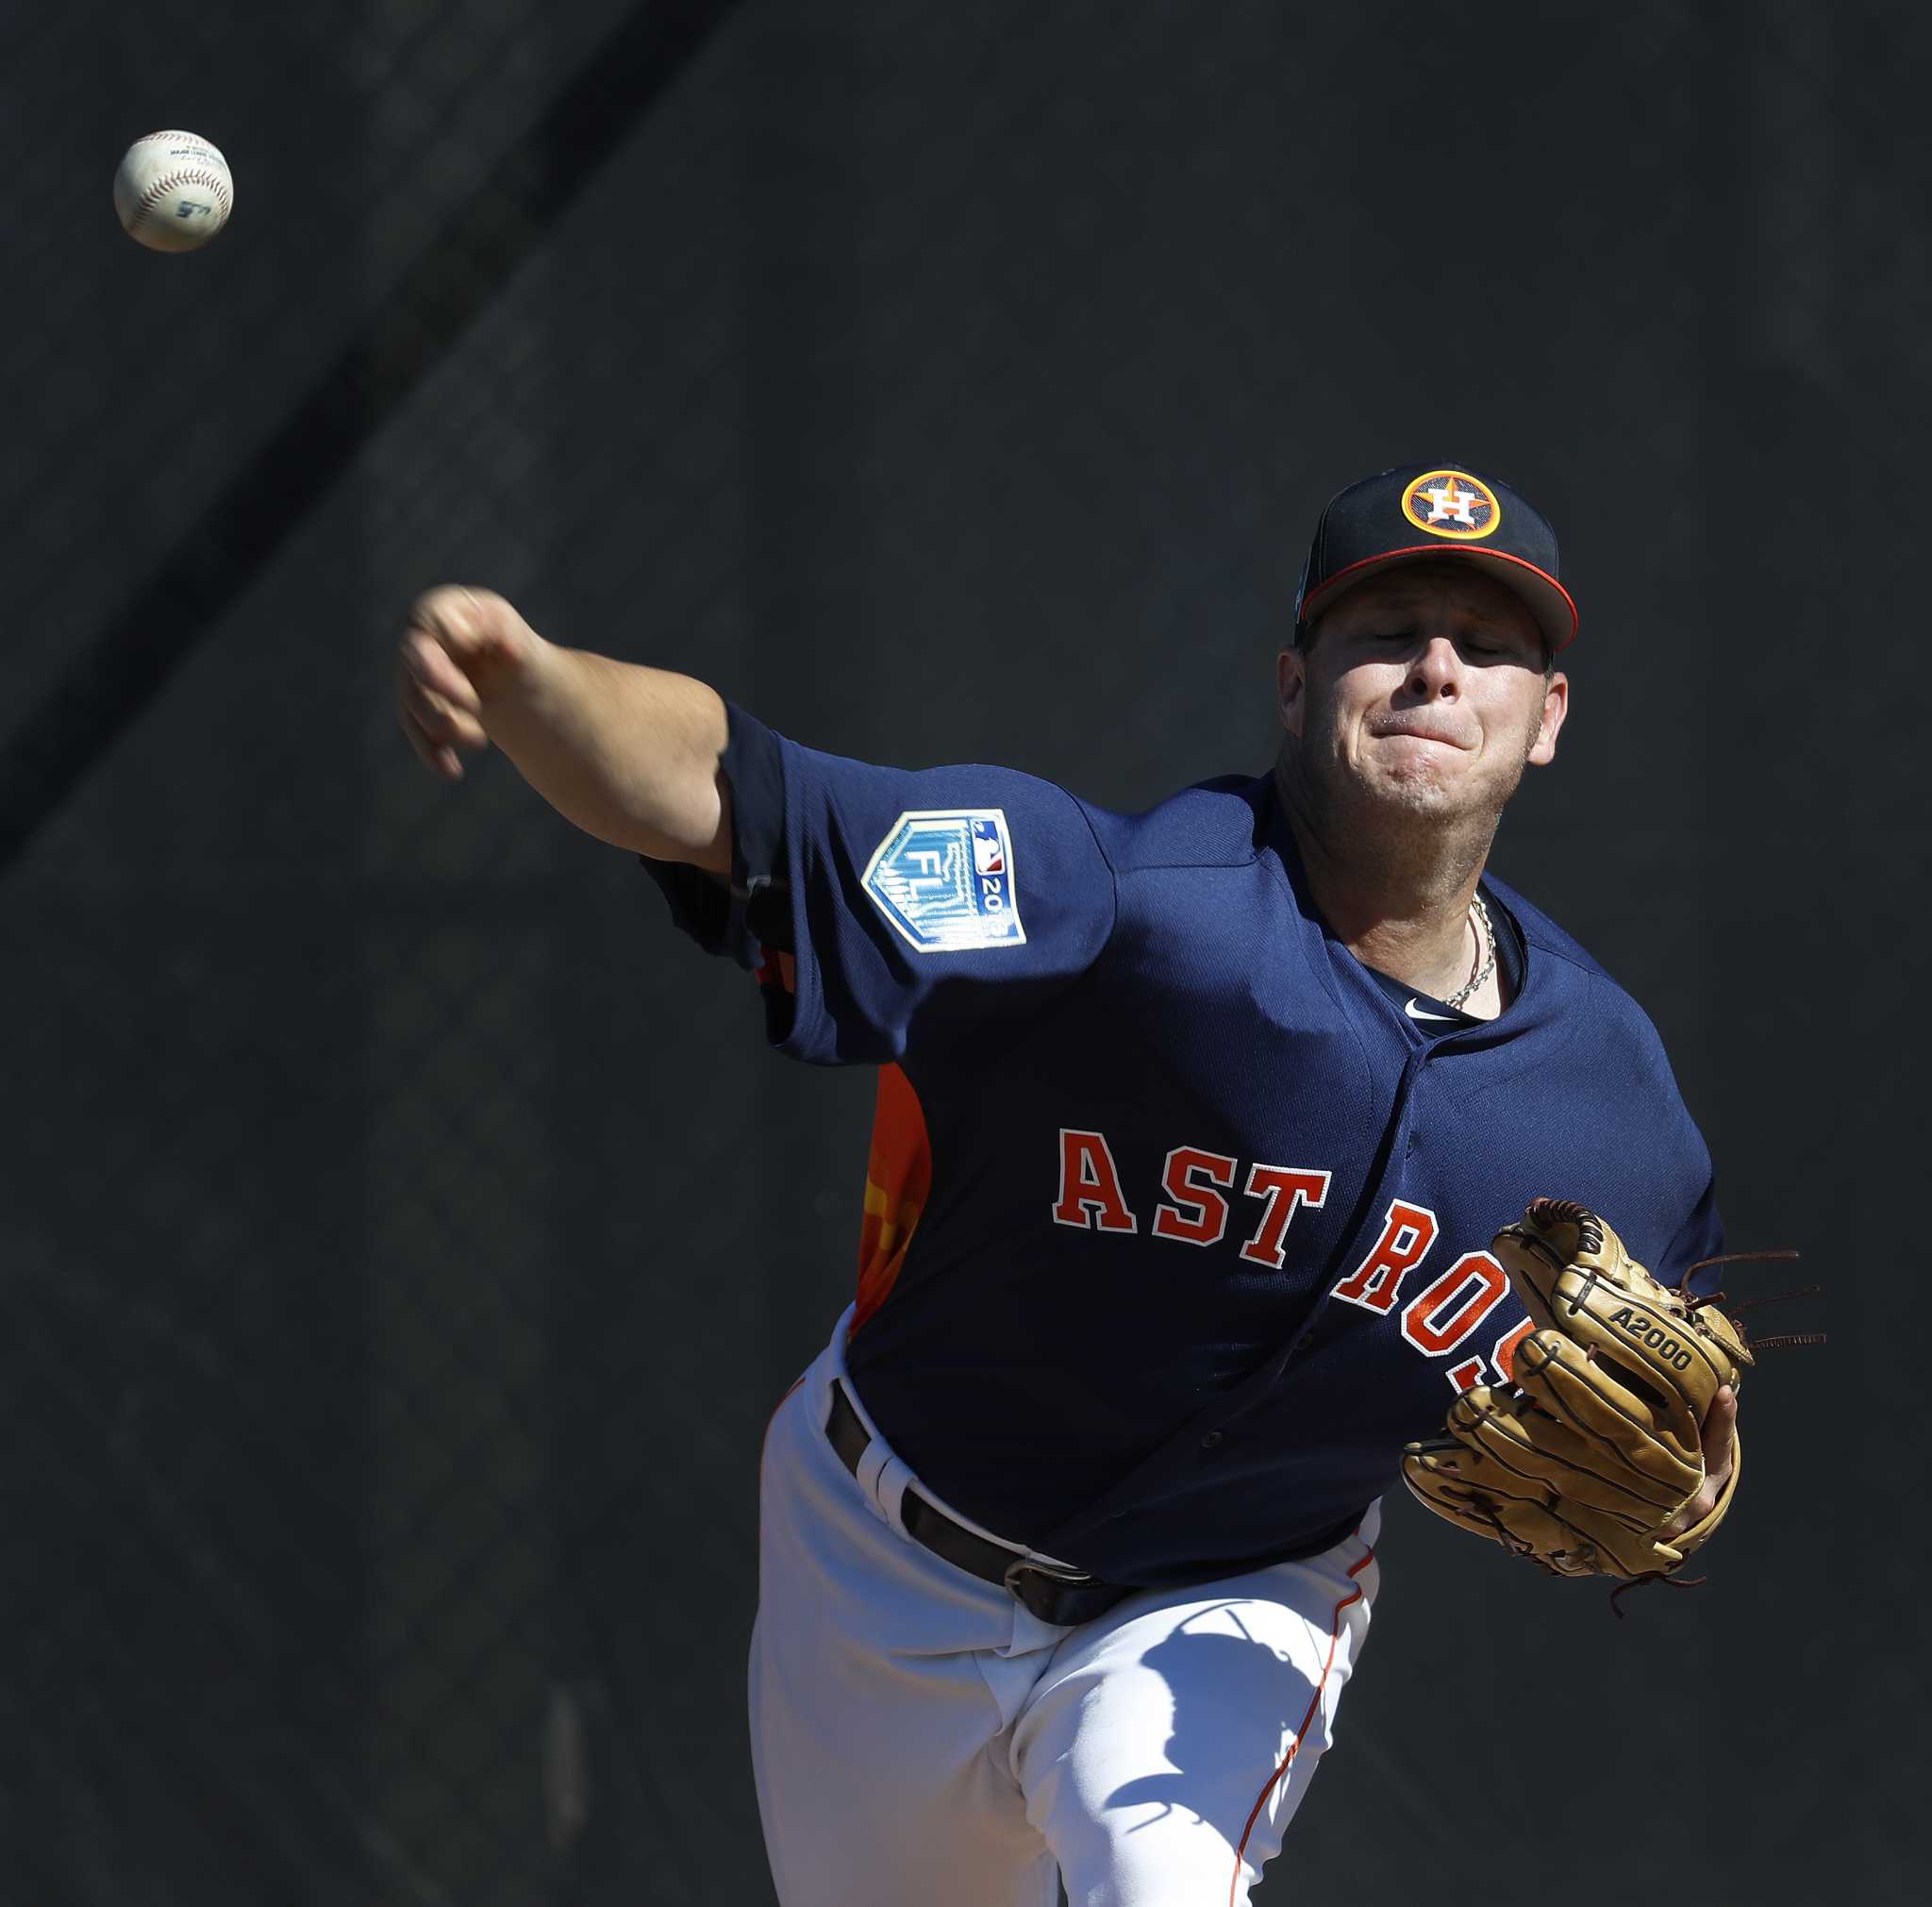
point(1545, 598)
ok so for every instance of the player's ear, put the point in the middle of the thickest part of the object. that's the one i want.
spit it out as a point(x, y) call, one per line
point(1290, 687)
point(1555, 705)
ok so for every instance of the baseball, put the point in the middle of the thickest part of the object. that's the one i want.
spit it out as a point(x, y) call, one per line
point(173, 191)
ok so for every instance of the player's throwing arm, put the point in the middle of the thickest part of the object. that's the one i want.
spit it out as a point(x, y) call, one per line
point(629, 754)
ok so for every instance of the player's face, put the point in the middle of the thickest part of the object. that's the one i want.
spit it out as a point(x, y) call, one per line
point(1423, 690)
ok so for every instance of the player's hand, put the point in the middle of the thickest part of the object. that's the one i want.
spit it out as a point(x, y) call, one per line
point(462, 650)
point(1718, 1427)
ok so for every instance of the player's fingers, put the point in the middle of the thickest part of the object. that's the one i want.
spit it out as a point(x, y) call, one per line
point(438, 757)
point(445, 716)
point(440, 721)
point(451, 613)
point(1718, 1458)
point(1718, 1427)
point(425, 662)
point(480, 633)
point(1718, 1455)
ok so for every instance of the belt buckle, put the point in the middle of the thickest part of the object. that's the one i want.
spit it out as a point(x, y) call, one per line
point(1038, 1586)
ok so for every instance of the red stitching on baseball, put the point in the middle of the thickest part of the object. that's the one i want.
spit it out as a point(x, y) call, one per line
point(169, 181)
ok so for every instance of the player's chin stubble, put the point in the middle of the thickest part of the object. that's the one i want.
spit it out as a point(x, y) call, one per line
point(1407, 807)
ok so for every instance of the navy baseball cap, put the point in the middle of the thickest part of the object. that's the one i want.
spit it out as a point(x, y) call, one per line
point(1421, 511)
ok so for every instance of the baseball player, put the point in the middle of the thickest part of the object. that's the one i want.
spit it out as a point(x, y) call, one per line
point(1193, 1130)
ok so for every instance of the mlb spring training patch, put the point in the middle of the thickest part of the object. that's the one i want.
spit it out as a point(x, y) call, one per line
point(1453, 504)
point(943, 878)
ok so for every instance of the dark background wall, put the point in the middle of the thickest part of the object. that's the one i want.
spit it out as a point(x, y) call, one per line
point(404, 1234)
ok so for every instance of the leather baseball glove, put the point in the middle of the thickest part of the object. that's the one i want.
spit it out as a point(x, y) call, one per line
point(1585, 1460)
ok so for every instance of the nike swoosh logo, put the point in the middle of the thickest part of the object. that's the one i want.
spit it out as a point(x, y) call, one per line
point(1415, 1012)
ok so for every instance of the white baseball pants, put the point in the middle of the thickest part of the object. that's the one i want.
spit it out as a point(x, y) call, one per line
point(920, 1739)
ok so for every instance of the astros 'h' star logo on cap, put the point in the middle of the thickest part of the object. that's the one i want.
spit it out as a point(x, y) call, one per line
point(1451, 504)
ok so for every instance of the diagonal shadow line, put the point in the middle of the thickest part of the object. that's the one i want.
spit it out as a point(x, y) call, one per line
point(99, 695)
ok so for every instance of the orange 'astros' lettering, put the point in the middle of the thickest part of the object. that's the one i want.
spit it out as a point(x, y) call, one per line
point(1407, 1232)
point(1451, 1308)
point(1198, 1188)
point(1198, 1215)
point(1284, 1187)
point(1091, 1186)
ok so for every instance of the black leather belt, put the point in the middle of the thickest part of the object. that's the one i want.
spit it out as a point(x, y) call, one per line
point(1065, 1597)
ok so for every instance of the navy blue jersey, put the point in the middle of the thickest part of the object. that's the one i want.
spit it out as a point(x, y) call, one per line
point(1177, 1215)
